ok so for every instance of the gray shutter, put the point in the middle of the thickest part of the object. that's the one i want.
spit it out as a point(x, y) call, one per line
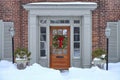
point(7, 42)
point(113, 42)
point(1, 31)
point(119, 38)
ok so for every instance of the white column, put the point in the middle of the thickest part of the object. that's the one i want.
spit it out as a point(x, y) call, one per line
point(86, 41)
point(32, 37)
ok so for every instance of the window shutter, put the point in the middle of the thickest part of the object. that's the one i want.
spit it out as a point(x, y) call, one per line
point(113, 42)
point(1, 26)
point(7, 41)
point(119, 38)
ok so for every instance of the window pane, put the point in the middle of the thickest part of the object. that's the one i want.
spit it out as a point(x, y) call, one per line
point(59, 51)
point(76, 53)
point(62, 21)
point(64, 51)
point(76, 30)
point(54, 32)
point(52, 21)
point(42, 53)
point(43, 38)
point(76, 38)
point(76, 21)
point(65, 32)
point(43, 29)
point(76, 45)
point(67, 21)
point(42, 45)
point(54, 51)
point(59, 21)
point(43, 21)
point(60, 32)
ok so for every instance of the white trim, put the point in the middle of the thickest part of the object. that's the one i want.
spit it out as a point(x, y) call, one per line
point(117, 41)
point(119, 37)
point(48, 25)
point(71, 40)
point(63, 9)
point(71, 25)
point(32, 38)
point(48, 37)
point(80, 26)
point(61, 5)
point(86, 41)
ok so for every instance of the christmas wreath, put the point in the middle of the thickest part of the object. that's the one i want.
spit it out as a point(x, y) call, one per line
point(59, 41)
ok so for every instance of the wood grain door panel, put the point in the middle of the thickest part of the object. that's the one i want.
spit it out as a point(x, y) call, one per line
point(60, 55)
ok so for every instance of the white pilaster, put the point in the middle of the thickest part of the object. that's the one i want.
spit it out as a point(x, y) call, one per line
point(86, 41)
point(32, 37)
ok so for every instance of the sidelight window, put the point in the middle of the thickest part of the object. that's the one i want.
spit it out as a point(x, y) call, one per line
point(76, 39)
point(42, 41)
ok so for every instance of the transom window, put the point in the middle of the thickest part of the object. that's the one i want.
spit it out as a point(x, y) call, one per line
point(59, 21)
point(76, 21)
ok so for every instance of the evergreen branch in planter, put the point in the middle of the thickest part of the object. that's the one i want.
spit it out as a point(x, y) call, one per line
point(98, 53)
point(22, 57)
point(22, 53)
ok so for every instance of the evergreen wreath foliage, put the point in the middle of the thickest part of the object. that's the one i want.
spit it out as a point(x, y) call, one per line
point(55, 42)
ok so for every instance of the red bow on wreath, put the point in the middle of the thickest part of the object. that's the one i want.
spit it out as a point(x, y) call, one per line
point(60, 39)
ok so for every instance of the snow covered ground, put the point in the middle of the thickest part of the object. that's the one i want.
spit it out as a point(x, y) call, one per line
point(8, 71)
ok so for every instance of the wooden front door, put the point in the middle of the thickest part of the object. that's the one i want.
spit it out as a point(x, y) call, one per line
point(60, 47)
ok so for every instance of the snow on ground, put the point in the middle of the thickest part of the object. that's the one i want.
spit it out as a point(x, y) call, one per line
point(8, 71)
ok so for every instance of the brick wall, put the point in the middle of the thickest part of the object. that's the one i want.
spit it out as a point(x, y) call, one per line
point(12, 10)
point(108, 10)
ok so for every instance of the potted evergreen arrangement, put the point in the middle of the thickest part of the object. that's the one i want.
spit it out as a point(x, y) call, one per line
point(99, 57)
point(22, 57)
point(99, 53)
